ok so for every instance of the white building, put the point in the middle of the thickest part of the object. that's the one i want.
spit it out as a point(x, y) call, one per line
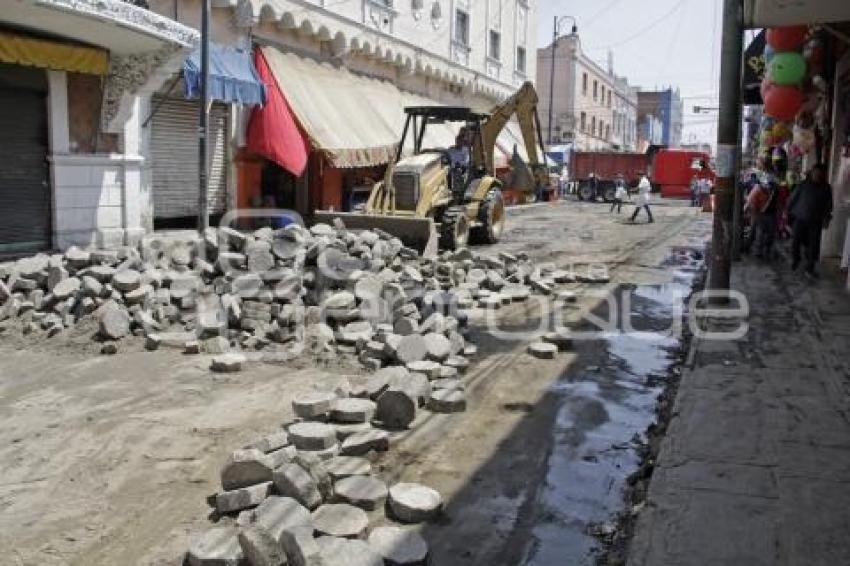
point(624, 132)
point(72, 76)
point(586, 99)
point(465, 52)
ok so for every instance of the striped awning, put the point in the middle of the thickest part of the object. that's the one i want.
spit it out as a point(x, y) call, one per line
point(19, 49)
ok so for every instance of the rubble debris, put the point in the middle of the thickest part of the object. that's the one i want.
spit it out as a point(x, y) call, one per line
point(340, 520)
point(343, 467)
point(313, 404)
point(292, 480)
point(312, 436)
point(344, 552)
point(227, 363)
point(448, 400)
point(362, 443)
point(414, 503)
point(245, 468)
point(301, 548)
point(399, 546)
point(260, 548)
point(242, 498)
point(217, 546)
point(362, 491)
point(280, 515)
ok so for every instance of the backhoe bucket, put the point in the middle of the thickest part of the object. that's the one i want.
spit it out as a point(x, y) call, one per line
point(417, 233)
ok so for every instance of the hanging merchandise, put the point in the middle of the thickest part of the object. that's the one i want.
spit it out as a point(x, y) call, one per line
point(787, 68)
point(783, 102)
point(788, 38)
point(804, 138)
point(769, 53)
point(766, 85)
point(814, 56)
point(781, 131)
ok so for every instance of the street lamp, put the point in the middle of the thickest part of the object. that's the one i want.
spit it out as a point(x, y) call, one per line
point(555, 28)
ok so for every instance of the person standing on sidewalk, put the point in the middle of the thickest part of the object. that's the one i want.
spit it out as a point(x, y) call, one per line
point(564, 181)
point(810, 210)
point(762, 206)
point(644, 187)
point(620, 193)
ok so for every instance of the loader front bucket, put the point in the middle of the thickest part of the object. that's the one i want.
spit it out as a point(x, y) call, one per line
point(417, 233)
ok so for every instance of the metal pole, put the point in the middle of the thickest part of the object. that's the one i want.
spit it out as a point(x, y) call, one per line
point(727, 141)
point(552, 79)
point(203, 121)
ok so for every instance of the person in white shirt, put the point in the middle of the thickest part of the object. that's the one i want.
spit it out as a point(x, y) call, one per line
point(620, 194)
point(644, 187)
point(565, 181)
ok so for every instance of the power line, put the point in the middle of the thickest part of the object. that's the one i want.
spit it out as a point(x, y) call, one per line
point(649, 26)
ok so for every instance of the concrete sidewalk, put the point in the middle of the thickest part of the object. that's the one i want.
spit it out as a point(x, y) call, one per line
point(755, 467)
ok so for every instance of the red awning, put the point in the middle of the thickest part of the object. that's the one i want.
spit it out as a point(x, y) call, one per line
point(272, 131)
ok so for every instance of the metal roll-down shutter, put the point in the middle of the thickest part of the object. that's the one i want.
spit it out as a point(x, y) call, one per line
point(174, 158)
point(24, 178)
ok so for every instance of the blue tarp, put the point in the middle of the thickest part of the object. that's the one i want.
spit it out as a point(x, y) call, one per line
point(233, 77)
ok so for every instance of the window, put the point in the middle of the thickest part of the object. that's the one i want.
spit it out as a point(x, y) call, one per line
point(602, 91)
point(584, 120)
point(584, 84)
point(593, 126)
point(609, 99)
point(595, 90)
point(495, 48)
point(520, 59)
point(462, 27)
point(608, 132)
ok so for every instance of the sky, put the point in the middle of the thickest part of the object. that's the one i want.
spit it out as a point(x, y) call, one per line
point(656, 43)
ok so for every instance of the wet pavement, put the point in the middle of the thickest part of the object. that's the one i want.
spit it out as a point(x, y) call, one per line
point(605, 402)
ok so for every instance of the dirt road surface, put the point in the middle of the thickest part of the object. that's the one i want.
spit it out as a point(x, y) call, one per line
point(110, 459)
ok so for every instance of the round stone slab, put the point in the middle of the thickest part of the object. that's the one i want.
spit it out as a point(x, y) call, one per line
point(447, 401)
point(562, 342)
point(353, 410)
point(542, 350)
point(343, 467)
point(313, 404)
point(414, 503)
point(447, 383)
point(217, 545)
point(312, 436)
point(344, 552)
point(366, 492)
point(399, 546)
point(340, 520)
point(439, 347)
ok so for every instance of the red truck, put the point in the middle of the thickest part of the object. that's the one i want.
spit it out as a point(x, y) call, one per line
point(669, 170)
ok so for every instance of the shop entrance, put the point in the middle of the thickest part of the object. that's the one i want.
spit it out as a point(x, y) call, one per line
point(24, 175)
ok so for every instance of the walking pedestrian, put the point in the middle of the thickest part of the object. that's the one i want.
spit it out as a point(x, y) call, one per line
point(565, 181)
point(620, 193)
point(762, 208)
point(810, 210)
point(694, 191)
point(644, 187)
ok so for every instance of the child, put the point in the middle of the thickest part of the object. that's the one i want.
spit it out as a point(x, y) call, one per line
point(620, 194)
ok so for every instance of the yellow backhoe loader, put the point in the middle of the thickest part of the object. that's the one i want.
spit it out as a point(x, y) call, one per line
point(448, 197)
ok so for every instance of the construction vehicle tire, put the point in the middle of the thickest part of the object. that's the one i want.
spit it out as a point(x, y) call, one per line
point(585, 192)
point(491, 216)
point(454, 228)
point(608, 193)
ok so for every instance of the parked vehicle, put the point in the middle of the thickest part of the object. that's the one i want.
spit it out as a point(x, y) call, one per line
point(605, 166)
point(673, 170)
point(669, 170)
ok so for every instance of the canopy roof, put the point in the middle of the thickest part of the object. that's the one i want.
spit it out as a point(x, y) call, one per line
point(233, 77)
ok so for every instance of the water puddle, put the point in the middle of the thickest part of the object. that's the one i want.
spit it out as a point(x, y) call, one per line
point(606, 402)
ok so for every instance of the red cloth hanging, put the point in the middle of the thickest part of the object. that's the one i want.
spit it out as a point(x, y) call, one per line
point(272, 130)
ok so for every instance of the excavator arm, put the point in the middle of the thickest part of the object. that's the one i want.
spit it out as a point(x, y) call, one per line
point(523, 104)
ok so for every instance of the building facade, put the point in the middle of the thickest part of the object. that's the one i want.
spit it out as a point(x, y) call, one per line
point(591, 107)
point(464, 52)
point(666, 105)
point(650, 132)
point(624, 134)
point(72, 75)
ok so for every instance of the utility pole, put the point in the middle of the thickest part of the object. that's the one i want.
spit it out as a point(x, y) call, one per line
point(203, 121)
point(727, 142)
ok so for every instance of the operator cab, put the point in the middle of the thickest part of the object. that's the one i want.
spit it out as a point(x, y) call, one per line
point(465, 165)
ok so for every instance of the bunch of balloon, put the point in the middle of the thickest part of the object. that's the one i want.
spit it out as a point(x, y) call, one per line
point(786, 70)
